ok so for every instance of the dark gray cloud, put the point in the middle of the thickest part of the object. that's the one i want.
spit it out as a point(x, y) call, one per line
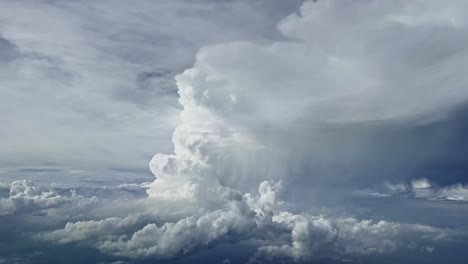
point(8, 50)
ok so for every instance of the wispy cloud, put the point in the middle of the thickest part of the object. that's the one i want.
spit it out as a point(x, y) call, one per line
point(92, 83)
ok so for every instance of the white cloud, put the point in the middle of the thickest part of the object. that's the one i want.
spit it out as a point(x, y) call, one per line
point(255, 112)
point(422, 188)
point(420, 184)
point(318, 236)
point(25, 197)
point(60, 201)
point(296, 236)
point(251, 112)
point(456, 192)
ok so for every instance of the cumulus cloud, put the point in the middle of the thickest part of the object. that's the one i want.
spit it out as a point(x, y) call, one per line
point(251, 218)
point(25, 197)
point(318, 236)
point(168, 239)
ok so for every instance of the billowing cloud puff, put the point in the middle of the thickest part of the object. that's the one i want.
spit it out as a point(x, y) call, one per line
point(317, 236)
point(252, 218)
point(25, 197)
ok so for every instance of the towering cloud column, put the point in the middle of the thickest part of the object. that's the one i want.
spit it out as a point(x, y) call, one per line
point(253, 112)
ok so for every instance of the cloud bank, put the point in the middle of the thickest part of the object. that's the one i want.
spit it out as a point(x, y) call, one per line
point(421, 188)
point(24, 196)
point(257, 219)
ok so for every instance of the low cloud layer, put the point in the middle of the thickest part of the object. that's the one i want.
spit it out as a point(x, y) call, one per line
point(25, 197)
point(257, 220)
point(421, 188)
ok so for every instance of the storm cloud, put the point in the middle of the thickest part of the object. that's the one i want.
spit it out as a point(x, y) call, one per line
point(337, 137)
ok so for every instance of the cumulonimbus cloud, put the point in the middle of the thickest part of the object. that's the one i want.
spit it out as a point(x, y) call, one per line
point(250, 111)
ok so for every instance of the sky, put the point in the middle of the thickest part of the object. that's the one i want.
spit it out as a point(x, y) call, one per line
point(243, 131)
